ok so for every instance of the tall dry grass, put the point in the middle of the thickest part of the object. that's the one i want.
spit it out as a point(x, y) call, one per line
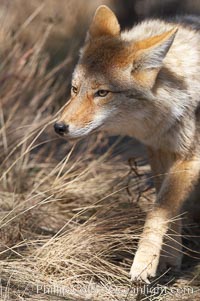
point(70, 214)
point(52, 225)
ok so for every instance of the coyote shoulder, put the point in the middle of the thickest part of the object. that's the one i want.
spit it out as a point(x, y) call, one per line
point(144, 83)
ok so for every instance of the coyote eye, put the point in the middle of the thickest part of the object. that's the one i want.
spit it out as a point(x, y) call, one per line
point(101, 93)
point(74, 90)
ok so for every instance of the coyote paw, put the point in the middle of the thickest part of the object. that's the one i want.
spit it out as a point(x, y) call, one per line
point(144, 266)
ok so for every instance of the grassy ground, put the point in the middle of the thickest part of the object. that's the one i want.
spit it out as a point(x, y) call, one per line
point(71, 214)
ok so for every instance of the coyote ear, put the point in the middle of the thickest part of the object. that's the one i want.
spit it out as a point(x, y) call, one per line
point(153, 50)
point(104, 23)
point(149, 57)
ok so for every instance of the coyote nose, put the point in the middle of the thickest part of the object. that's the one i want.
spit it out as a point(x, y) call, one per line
point(61, 128)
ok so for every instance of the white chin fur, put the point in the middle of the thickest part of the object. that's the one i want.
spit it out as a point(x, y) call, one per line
point(75, 132)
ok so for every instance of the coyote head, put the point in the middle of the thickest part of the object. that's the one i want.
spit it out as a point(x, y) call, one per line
point(112, 84)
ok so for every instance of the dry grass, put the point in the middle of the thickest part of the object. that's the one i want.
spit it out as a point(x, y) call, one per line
point(70, 216)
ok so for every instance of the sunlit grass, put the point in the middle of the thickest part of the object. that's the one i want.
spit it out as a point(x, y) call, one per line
point(70, 215)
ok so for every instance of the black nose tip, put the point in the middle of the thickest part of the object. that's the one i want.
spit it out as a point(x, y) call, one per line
point(61, 128)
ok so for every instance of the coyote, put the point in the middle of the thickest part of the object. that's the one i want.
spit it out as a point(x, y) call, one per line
point(144, 83)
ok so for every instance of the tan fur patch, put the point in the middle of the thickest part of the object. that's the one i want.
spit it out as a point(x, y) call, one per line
point(105, 52)
point(79, 115)
point(146, 78)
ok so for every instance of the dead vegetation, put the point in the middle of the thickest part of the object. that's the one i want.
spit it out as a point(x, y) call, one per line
point(70, 213)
